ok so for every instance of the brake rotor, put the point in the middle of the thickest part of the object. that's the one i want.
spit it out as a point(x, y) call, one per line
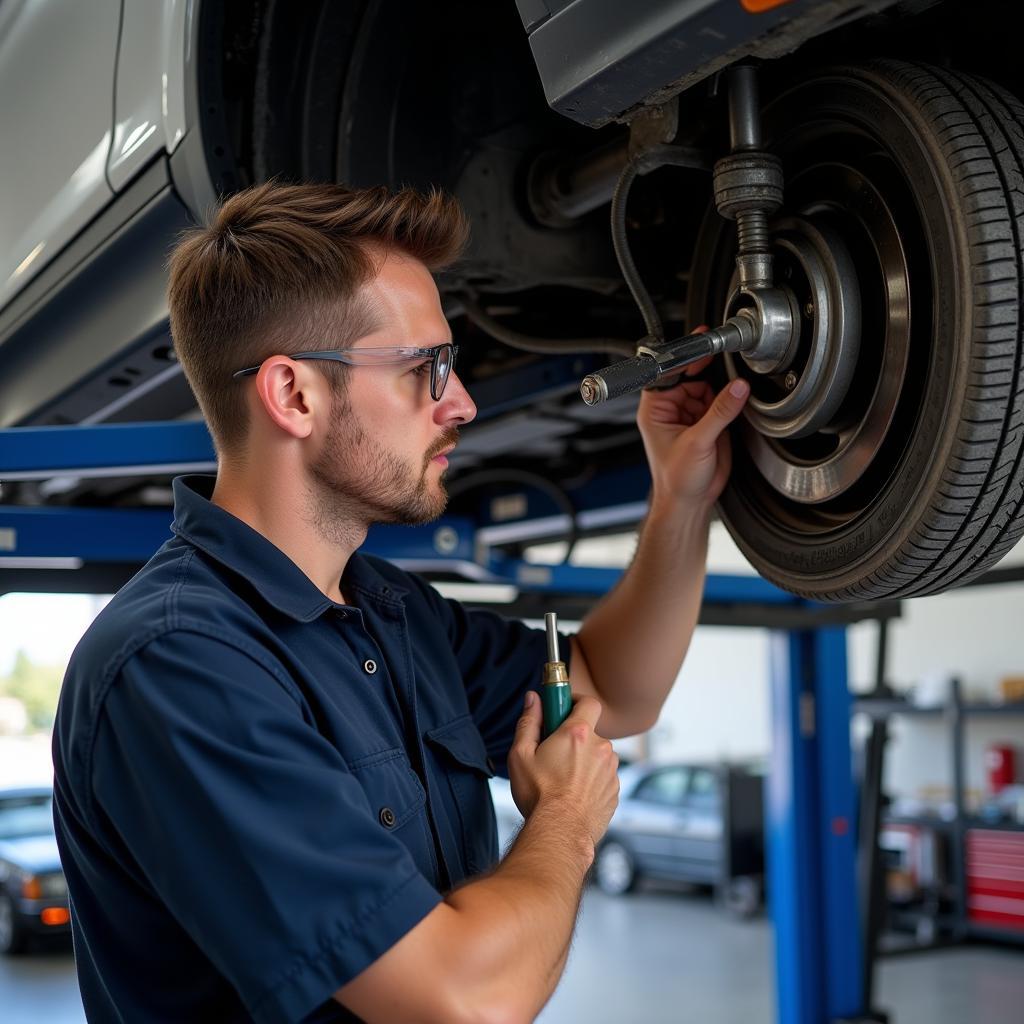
point(809, 436)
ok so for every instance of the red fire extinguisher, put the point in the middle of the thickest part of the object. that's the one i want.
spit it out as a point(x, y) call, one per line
point(999, 760)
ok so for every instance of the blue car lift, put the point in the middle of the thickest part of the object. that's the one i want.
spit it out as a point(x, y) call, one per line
point(811, 799)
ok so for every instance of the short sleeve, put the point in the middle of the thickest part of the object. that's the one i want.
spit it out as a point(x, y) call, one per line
point(500, 659)
point(248, 826)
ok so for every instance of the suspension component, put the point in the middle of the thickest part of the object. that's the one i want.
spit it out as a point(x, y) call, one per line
point(748, 183)
point(748, 189)
point(764, 330)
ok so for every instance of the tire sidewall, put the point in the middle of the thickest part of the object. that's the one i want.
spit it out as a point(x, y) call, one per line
point(617, 847)
point(16, 941)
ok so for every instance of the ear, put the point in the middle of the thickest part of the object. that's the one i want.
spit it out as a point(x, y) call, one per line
point(291, 394)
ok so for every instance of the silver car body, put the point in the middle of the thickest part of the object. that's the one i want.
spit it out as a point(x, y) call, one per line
point(120, 73)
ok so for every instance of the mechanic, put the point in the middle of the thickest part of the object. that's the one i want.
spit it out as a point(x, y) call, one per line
point(271, 751)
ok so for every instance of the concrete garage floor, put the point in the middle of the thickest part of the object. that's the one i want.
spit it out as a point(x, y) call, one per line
point(667, 957)
point(40, 988)
point(657, 957)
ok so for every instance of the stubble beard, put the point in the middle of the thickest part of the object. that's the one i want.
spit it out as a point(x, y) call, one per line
point(358, 482)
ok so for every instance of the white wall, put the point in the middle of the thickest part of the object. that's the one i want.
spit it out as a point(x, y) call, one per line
point(975, 634)
point(718, 707)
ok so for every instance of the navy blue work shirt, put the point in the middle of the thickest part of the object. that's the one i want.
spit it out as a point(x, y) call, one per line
point(258, 790)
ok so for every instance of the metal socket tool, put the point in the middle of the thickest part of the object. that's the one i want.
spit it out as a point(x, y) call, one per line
point(651, 362)
point(555, 691)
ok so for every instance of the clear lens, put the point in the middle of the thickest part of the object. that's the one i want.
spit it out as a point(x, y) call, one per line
point(442, 367)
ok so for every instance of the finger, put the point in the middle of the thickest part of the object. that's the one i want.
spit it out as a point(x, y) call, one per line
point(698, 404)
point(692, 408)
point(586, 709)
point(725, 456)
point(528, 726)
point(661, 406)
point(697, 367)
point(728, 404)
point(697, 389)
point(724, 463)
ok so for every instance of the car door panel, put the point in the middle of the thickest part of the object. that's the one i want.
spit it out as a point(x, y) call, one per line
point(650, 817)
point(55, 123)
point(698, 844)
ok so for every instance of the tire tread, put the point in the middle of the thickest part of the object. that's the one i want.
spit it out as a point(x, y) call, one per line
point(974, 512)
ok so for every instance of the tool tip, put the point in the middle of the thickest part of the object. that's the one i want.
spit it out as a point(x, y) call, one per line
point(593, 390)
point(551, 625)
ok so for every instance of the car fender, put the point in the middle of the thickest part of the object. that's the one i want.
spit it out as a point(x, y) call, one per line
point(155, 67)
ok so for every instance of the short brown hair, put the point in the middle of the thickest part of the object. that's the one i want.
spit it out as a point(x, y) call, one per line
point(278, 269)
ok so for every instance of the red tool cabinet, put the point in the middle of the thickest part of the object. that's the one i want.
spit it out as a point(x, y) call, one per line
point(994, 866)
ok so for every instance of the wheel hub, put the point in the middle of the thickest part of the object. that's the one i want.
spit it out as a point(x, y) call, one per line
point(811, 431)
point(817, 373)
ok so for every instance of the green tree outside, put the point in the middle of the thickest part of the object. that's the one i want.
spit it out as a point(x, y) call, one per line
point(37, 687)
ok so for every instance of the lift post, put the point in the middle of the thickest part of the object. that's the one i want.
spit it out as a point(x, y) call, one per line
point(811, 831)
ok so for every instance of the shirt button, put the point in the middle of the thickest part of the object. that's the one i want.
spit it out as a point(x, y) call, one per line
point(370, 665)
point(387, 817)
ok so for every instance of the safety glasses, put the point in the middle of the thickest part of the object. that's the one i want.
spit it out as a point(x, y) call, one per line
point(442, 361)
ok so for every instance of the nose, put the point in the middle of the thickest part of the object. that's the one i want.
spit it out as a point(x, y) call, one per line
point(455, 406)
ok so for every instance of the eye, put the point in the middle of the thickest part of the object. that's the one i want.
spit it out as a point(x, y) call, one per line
point(422, 369)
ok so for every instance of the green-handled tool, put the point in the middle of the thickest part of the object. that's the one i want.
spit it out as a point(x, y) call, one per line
point(555, 694)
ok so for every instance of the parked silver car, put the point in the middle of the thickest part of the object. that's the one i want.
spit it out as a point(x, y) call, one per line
point(696, 823)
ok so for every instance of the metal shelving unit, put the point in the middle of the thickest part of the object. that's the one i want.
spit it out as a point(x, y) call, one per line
point(882, 705)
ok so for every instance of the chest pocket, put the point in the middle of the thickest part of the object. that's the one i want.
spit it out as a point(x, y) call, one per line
point(463, 756)
point(397, 800)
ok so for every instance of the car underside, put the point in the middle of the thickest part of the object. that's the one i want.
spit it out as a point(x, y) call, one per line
point(835, 189)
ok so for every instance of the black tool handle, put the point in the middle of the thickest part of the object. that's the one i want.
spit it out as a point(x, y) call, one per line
point(619, 379)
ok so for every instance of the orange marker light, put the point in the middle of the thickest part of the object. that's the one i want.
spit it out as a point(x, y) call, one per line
point(760, 6)
point(31, 889)
point(55, 916)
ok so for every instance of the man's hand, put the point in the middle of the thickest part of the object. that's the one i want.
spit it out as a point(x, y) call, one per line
point(495, 948)
point(686, 440)
point(573, 767)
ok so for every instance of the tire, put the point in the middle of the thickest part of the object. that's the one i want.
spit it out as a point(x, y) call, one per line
point(916, 483)
point(14, 937)
point(741, 896)
point(615, 869)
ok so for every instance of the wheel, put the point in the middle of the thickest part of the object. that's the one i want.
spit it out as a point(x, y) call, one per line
point(13, 935)
point(742, 896)
point(615, 869)
point(886, 460)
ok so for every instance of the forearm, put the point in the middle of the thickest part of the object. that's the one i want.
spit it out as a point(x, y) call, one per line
point(514, 927)
point(635, 640)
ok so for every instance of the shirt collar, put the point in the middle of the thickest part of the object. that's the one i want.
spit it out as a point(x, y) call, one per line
point(247, 552)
